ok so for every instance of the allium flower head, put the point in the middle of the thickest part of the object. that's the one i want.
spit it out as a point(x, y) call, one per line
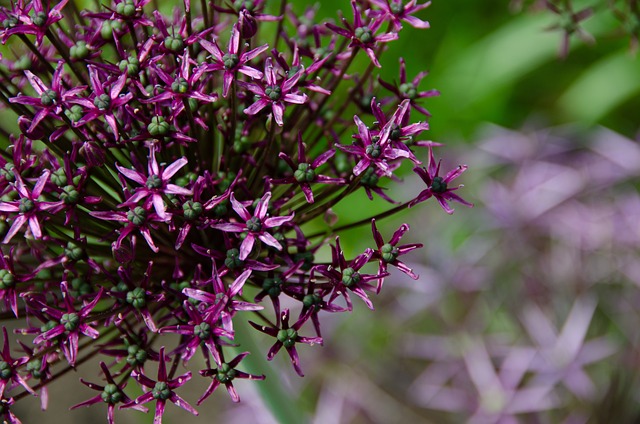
point(166, 169)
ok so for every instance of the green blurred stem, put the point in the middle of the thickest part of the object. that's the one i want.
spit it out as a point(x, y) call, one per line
point(283, 405)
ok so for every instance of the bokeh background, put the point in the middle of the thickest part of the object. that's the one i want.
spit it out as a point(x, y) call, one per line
point(527, 309)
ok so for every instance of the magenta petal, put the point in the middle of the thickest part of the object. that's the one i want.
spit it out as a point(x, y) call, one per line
point(246, 246)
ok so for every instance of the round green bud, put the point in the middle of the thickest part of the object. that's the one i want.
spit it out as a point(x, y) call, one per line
point(39, 18)
point(273, 286)
point(48, 98)
point(174, 43)
point(70, 321)
point(26, 205)
point(233, 259)
point(7, 280)
point(438, 185)
point(287, 337)
point(226, 374)
point(102, 102)
point(364, 34)
point(131, 65)
point(74, 252)
point(34, 367)
point(136, 355)
point(69, 195)
point(180, 85)
point(74, 113)
point(273, 92)
point(304, 173)
point(79, 51)
point(158, 127)
point(408, 90)
point(350, 277)
point(230, 60)
point(59, 177)
point(389, 253)
point(161, 391)
point(126, 8)
point(137, 298)
point(137, 215)
point(202, 331)
point(153, 181)
point(254, 224)
point(5, 371)
point(111, 394)
point(192, 210)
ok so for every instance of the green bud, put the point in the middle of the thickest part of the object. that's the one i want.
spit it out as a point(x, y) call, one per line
point(304, 173)
point(79, 51)
point(287, 337)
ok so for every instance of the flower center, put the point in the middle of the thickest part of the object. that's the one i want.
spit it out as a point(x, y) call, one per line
point(389, 253)
point(287, 337)
point(180, 85)
point(374, 150)
point(408, 90)
point(225, 373)
point(364, 34)
point(153, 182)
point(111, 394)
point(39, 19)
point(137, 297)
point(273, 92)
point(203, 331)
point(5, 371)
point(192, 210)
point(232, 260)
point(350, 277)
point(396, 8)
point(48, 97)
point(70, 321)
point(102, 102)
point(230, 60)
point(136, 355)
point(137, 215)
point(304, 173)
point(161, 391)
point(7, 280)
point(438, 185)
point(26, 205)
point(254, 224)
point(273, 286)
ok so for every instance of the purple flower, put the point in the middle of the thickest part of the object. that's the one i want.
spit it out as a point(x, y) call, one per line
point(395, 12)
point(387, 253)
point(161, 391)
point(155, 184)
point(70, 321)
point(29, 207)
point(409, 90)
point(363, 35)
point(438, 186)
point(231, 62)
point(304, 172)
point(274, 92)
point(376, 149)
point(111, 394)
point(288, 337)
point(225, 374)
point(255, 225)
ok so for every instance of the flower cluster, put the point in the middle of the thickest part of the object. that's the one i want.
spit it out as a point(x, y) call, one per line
point(162, 174)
